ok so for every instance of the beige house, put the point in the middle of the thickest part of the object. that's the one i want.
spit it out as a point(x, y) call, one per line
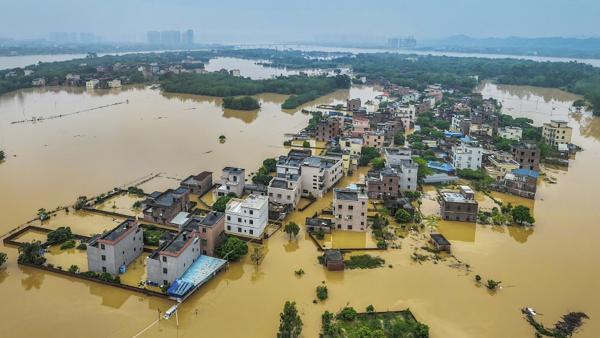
point(557, 132)
point(350, 209)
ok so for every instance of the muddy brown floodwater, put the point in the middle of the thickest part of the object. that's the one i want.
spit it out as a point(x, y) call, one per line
point(552, 268)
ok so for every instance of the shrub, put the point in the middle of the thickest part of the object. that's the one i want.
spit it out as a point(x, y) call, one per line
point(347, 314)
point(403, 216)
point(80, 203)
point(70, 244)
point(3, 258)
point(31, 253)
point(221, 203)
point(82, 246)
point(322, 292)
point(365, 261)
point(60, 235)
point(74, 269)
point(306, 144)
point(370, 309)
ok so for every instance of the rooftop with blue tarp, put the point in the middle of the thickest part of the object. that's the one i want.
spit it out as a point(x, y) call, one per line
point(450, 133)
point(201, 271)
point(526, 172)
point(441, 166)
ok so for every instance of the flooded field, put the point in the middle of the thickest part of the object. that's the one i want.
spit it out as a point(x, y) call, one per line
point(552, 267)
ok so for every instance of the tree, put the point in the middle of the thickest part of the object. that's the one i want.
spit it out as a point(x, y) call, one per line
point(290, 324)
point(403, 216)
point(221, 202)
point(241, 103)
point(2, 156)
point(347, 314)
point(74, 269)
point(60, 235)
point(367, 154)
point(378, 163)
point(270, 164)
point(492, 284)
point(232, 249)
point(292, 229)
point(31, 253)
point(521, 214)
point(370, 309)
point(80, 203)
point(322, 292)
point(399, 138)
point(257, 255)
point(3, 258)
point(306, 144)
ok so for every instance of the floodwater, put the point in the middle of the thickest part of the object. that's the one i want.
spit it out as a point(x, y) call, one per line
point(552, 267)
point(252, 68)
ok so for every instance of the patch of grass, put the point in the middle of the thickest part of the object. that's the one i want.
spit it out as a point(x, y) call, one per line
point(365, 261)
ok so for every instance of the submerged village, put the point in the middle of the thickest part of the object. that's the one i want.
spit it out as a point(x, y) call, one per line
point(376, 175)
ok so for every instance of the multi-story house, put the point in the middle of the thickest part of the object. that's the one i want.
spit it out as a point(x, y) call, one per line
point(459, 206)
point(501, 163)
point(353, 104)
point(383, 184)
point(527, 155)
point(521, 182)
point(209, 229)
point(173, 258)
point(233, 181)
point(285, 191)
point(350, 209)
point(351, 145)
point(328, 129)
point(467, 155)
point(400, 159)
point(556, 132)
point(198, 184)
point(163, 207)
point(114, 250)
point(247, 217)
point(511, 133)
point(319, 174)
point(374, 138)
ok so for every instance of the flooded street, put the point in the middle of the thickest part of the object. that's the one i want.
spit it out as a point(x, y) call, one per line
point(552, 267)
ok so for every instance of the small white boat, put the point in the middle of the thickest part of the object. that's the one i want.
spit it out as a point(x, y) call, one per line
point(528, 311)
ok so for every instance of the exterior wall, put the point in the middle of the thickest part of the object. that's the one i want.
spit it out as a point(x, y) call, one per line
point(317, 181)
point(353, 148)
point(175, 265)
point(209, 236)
point(162, 215)
point(459, 211)
point(350, 215)
point(511, 133)
point(384, 186)
point(202, 187)
point(290, 196)
point(408, 177)
point(374, 140)
point(528, 157)
point(248, 222)
point(523, 186)
point(466, 157)
point(556, 132)
point(111, 257)
point(232, 182)
point(328, 129)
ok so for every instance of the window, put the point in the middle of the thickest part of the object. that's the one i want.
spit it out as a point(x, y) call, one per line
point(251, 222)
point(239, 229)
point(203, 229)
point(164, 258)
point(350, 207)
point(164, 270)
point(103, 269)
point(229, 218)
point(229, 227)
point(240, 219)
point(251, 212)
point(102, 246)
point(103, 257)
point(251, 232)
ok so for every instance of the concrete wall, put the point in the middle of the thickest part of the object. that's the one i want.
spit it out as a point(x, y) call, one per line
point(123, 252)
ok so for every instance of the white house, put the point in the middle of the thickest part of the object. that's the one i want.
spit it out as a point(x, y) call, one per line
point(116, 248)
point(350, 209)
point(467, 156)
point(233, 180)
point(285, 191)
point(91, 84)
point(511, 133)
point(247, 217)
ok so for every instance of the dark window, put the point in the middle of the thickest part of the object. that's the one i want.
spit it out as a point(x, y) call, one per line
point(203, 229)
point(251, 232)
point(103, 269)
point(164, 270)
point(103, 257)
point(164, 258)
point(102, 246)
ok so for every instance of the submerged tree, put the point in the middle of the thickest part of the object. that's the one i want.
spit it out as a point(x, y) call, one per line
point(257, 255)
point(31, 253)
point(290, 324)
point(3, 257)
point(292, 229)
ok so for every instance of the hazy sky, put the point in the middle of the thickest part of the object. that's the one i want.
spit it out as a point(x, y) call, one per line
point(305, 20)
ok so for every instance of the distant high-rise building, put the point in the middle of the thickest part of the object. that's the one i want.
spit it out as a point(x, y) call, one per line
point(154, 37)
point(87, 38)
point(170, 38)
point(398, 43)
point(188, 37)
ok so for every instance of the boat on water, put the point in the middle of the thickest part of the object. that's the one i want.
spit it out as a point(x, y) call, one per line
point(528, 311)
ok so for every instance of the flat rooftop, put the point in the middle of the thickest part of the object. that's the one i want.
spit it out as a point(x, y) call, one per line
point(177, 243)
point(119, 230)
point(455, 197)
point(233, 170)
point(251, 202)
point(195, 179)
point(168, 198)
point(320, 162)
point(212, 218)
point(279, 183)
point(348, 194)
